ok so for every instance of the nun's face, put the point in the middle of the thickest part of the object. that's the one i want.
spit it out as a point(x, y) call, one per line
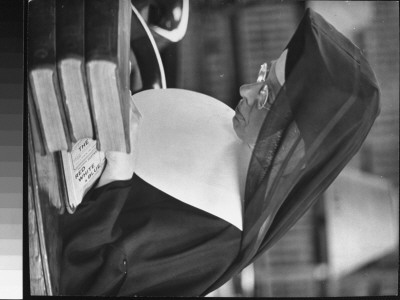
point(256, 99)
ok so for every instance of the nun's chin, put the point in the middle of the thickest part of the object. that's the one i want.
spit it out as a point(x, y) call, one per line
point(241, 134)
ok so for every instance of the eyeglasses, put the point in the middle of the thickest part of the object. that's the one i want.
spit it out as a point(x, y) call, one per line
point(264, 92)
point(262, 74)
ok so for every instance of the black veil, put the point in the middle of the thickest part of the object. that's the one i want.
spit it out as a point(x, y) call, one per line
point(317, 123)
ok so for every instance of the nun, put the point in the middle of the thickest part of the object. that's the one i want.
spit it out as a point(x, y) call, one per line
point(208, 190)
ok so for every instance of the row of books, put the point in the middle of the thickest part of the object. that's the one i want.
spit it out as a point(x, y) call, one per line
point(78, 88)
point(79, 74)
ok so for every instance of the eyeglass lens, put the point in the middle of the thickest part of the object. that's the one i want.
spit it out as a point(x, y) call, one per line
point(262, 74)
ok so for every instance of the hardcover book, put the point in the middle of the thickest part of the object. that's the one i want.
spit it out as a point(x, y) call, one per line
point(70, 44)
point(107, 36)
point(80, 168)
point(42, 74)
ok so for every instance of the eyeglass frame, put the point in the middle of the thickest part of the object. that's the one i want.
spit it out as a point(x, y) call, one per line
point(264, 92)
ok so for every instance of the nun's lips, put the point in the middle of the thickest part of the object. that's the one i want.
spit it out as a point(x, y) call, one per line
point(238, 114)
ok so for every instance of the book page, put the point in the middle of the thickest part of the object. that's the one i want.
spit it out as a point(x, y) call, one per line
point(188, 149)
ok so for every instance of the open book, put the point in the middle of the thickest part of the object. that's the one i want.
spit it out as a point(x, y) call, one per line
point(188, 149)
point(81, 168)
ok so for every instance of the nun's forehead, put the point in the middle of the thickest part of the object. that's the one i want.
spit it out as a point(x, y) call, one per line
point(280, 67)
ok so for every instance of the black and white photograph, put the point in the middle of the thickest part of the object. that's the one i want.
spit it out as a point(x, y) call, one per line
point(213, 148)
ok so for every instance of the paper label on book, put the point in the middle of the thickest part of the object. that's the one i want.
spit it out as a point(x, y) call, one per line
point(87, 162)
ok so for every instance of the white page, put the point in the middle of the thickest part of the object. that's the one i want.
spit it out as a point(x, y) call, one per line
point(189, 150)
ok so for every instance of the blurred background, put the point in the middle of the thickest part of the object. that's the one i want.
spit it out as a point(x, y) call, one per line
point(347, 244)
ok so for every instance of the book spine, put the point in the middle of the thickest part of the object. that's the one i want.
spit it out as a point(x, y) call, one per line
point(70, 45)
point(43, 76)
point(70, 28)
point(41, 23)
point(101, 23)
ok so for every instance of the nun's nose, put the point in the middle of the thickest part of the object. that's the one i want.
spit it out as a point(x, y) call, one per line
point(250, 92)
